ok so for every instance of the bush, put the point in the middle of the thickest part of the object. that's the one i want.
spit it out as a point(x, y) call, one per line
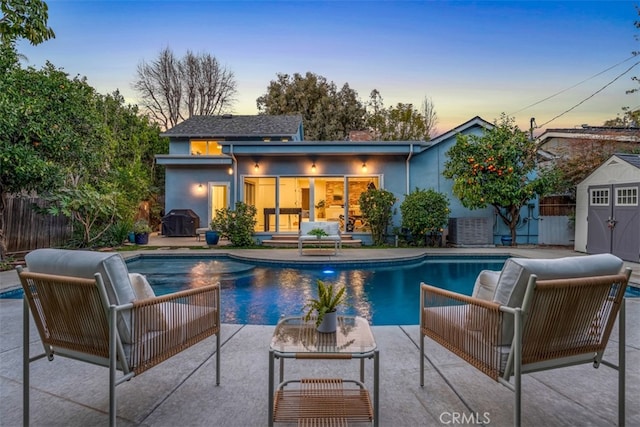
point(425, 213)
point(376, 207)
point(236, 225)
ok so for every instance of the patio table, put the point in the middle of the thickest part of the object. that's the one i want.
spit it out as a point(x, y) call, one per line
point(336, 399)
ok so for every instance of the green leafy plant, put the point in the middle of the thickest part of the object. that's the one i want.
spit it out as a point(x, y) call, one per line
point(377, 207)
point(236, 225)
point(141, 226)
point(318, 232)
point(328, 300)
point(424, 213)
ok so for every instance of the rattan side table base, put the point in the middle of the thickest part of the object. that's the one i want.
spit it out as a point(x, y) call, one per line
point(323, 401)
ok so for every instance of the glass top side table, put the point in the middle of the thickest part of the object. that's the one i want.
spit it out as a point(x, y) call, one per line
point(294, 338)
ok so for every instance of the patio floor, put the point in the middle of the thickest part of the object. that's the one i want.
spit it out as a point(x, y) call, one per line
point(182, 390)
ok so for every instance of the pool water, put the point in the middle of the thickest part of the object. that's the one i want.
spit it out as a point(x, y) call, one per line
point(262, 294)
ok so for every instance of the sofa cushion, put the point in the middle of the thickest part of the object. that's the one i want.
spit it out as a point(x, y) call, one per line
point(515, 274)
point(485, 286)
point(143, 290)
point(86, 264)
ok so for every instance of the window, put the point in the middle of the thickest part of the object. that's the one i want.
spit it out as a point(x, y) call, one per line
point(600, 197)
point(201, 147)
point(627, 196)
point(282, 202)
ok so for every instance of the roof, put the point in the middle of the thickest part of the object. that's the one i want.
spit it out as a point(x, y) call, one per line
point(236, 126)
point(476, 121)
point(629, 134)
point(632, 159)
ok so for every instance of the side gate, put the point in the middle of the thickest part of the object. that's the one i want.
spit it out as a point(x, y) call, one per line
point(614, 221)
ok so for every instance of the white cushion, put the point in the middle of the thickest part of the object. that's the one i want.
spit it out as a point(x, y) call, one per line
point(515, 274)
point(86, 264)
point(485, 286)
point(143, 290)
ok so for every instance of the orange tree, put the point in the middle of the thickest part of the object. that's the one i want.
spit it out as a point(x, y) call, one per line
point(496, 169)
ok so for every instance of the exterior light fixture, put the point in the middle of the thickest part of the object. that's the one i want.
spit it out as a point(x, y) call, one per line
point(313, 168)
point(364, 168)
point(230, 170)
point(200, 185)
point(256, 168)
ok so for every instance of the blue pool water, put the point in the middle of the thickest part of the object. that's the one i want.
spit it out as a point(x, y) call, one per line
point(261, 293)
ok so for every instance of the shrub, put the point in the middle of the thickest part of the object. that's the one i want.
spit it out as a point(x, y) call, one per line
point(424, 213)
point(236, 225)
point(376, 207)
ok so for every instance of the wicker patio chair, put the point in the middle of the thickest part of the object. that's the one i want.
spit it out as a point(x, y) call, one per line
point(534, 315)
point(86, 306)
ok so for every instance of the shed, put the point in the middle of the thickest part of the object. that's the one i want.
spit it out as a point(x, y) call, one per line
point(607, 209)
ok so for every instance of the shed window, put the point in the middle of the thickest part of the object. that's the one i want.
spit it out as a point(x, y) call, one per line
point(627, 196)
point(600, 197)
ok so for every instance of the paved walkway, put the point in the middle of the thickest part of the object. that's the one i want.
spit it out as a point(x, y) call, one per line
point(182, 391)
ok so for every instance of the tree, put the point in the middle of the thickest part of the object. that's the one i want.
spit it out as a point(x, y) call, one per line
point(629, 118)
point(429, 116)
point(377, 207)
point(400, 123)
point(580, 157)
point(172, 90)
point(24, 19)
point(48, 129)
point(57, 133)
point(497, 169)
point(424, 213)
point(327, 114)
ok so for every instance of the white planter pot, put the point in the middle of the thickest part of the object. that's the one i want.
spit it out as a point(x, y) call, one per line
point(329, 323)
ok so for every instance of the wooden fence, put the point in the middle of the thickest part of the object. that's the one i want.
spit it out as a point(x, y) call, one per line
point(26, 229)
point(557, 206)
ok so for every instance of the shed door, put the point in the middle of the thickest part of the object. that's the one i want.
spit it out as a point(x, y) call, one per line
point(626, 230)
point(599, 234)
point(614, 221)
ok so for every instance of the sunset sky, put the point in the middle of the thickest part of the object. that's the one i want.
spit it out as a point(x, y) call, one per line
point(479, 58)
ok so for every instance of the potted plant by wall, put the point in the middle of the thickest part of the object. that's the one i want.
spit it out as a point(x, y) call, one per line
point(325, 307)
point(141, 231)
point(212, 236)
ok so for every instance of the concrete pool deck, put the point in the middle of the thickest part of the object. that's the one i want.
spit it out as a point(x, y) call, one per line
point(182, 390)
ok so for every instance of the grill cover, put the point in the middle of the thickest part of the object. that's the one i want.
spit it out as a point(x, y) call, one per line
point(180, 223)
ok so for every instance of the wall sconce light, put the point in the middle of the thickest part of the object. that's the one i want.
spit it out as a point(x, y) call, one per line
point(200, 186)
point(364, 168)
point(313, 168)
point(256, 168)
point(230, 170)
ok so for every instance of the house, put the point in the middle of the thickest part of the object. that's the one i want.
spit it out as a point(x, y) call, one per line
point(215, 161)
point(554, 143)
point(607, 209)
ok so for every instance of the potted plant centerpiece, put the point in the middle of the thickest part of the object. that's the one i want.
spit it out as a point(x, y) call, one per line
point(318, 232)
point(141, 232)
point(325, 306)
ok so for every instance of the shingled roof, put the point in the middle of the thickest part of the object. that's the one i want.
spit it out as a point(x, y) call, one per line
point(633, 159)
point(228, 125)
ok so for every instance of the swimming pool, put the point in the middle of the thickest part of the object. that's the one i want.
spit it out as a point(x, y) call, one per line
point(261, 293)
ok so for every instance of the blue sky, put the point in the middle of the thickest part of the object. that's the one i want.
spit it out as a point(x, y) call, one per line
point(477, 58)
